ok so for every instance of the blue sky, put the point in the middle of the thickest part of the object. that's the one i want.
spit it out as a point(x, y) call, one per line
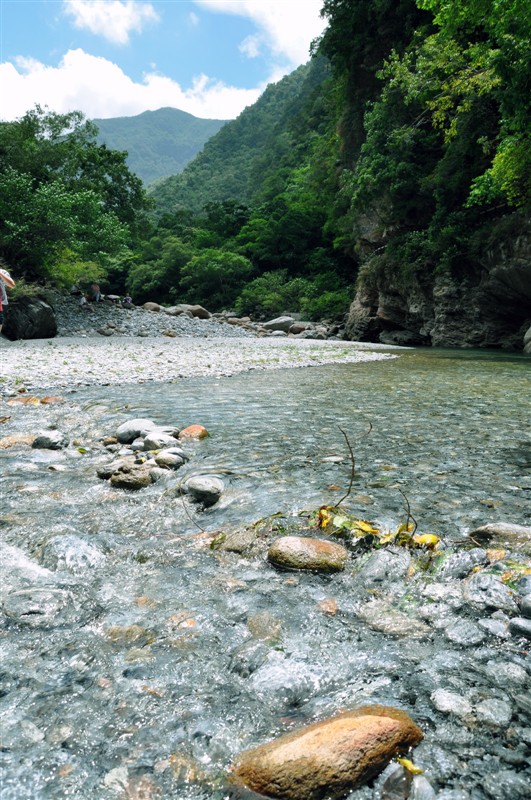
point(113, 58)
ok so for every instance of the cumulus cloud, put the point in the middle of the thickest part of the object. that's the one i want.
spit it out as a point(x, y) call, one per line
point(101, 89)
point(287, 28)
point(112, 19)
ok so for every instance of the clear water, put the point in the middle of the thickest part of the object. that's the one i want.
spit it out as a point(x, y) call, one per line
point(89, 710)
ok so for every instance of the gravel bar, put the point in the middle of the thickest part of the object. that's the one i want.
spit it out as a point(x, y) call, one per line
point(72, 362)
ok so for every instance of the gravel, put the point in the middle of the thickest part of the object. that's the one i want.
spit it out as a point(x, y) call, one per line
point(152, 346)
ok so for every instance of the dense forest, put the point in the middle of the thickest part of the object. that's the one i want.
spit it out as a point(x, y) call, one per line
point(390, 175)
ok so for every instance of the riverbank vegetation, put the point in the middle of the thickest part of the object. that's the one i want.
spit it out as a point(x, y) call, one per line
point(399, 152)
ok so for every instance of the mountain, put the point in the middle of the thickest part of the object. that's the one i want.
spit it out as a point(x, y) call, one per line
point(235, 163)
point(159, 143)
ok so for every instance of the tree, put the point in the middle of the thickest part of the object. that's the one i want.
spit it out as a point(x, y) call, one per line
point(60, 190)
point(215, 278)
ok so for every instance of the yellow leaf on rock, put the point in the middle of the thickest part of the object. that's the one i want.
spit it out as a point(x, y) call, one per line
point(409, 765)
point(406, 527)
point(428, 540)
point(324, 517)
point(364, 526)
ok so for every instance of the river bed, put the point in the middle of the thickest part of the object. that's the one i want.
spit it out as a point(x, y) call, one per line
point(145, 675)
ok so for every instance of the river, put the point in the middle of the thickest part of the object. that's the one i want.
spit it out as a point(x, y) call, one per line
point(128, 681)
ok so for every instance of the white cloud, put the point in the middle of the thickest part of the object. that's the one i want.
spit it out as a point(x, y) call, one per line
point(251, 46)
point(287, 27)
point(100, 88)
point(112, 19)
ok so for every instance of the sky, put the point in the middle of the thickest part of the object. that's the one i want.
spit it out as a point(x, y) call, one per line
point(118, 58)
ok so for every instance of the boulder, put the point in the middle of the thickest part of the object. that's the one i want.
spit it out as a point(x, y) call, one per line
point(279, 324)
point(152, 307)
point(328, 758)
point(195, 311)
point(299, 552)
point(29, 318)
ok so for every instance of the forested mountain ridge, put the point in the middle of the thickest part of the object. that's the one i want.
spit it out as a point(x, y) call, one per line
point(158, 143)
point(231, 165)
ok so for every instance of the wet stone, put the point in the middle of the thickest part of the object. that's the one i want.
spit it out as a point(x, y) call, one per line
point(384, 565)
point(169, 459)
point(130, 430)
point(327, 758)
point(70, 553)
point(464, 633)
point(484, 590)
point(459, 565)
point(50, 440)
point(519, 626)
point(494, 712)
point(525, 607)
point(394, 783)
point(298, 552)
point(131, 476)
point(421, 789)
point(450, 702)
point(503, 673)
point(381, 616)
point(158, 439)
point(506, 785)
point(204, 489)
point(248, 657)
point(495, 627)
point(47, 607)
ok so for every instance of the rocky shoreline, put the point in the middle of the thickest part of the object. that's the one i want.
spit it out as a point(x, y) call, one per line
point(110, 345)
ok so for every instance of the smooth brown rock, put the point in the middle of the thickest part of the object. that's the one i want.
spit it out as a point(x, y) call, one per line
point(329, 758)
point(193, 432)
point(134, 477)
point(299, 552)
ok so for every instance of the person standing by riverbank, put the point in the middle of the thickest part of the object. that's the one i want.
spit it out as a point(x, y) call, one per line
point(5, 280)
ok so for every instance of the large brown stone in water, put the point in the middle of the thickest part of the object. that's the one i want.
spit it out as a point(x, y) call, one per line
point(300, 552)
point(328, 758)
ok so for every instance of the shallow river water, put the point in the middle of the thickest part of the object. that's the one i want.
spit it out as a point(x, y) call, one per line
point(140, 666)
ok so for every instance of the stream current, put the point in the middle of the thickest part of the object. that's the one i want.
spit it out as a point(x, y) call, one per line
point(139, 676)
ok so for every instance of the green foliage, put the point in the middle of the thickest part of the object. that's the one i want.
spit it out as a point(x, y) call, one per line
point(214, 278)
point(156, 273)
point(274, 293)
point(248, 151)
point(60, 191)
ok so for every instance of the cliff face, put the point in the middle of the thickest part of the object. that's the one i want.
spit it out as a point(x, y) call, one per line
point(491, 309)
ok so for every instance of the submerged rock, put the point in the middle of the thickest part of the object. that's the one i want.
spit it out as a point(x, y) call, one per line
point(204, 489)
point(381, 616)
point(328, 758)
point(51, 440)
point(503, 533)
point(298, 552)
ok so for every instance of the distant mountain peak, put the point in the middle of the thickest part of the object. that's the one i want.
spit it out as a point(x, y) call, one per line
point(159, 143)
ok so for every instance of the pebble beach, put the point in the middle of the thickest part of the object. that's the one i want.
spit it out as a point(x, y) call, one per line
point(147, 346)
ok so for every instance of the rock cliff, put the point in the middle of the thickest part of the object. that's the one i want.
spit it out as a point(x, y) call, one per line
point(490, 308)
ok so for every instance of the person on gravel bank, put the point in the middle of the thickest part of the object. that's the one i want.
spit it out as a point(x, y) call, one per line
point(5, 280)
